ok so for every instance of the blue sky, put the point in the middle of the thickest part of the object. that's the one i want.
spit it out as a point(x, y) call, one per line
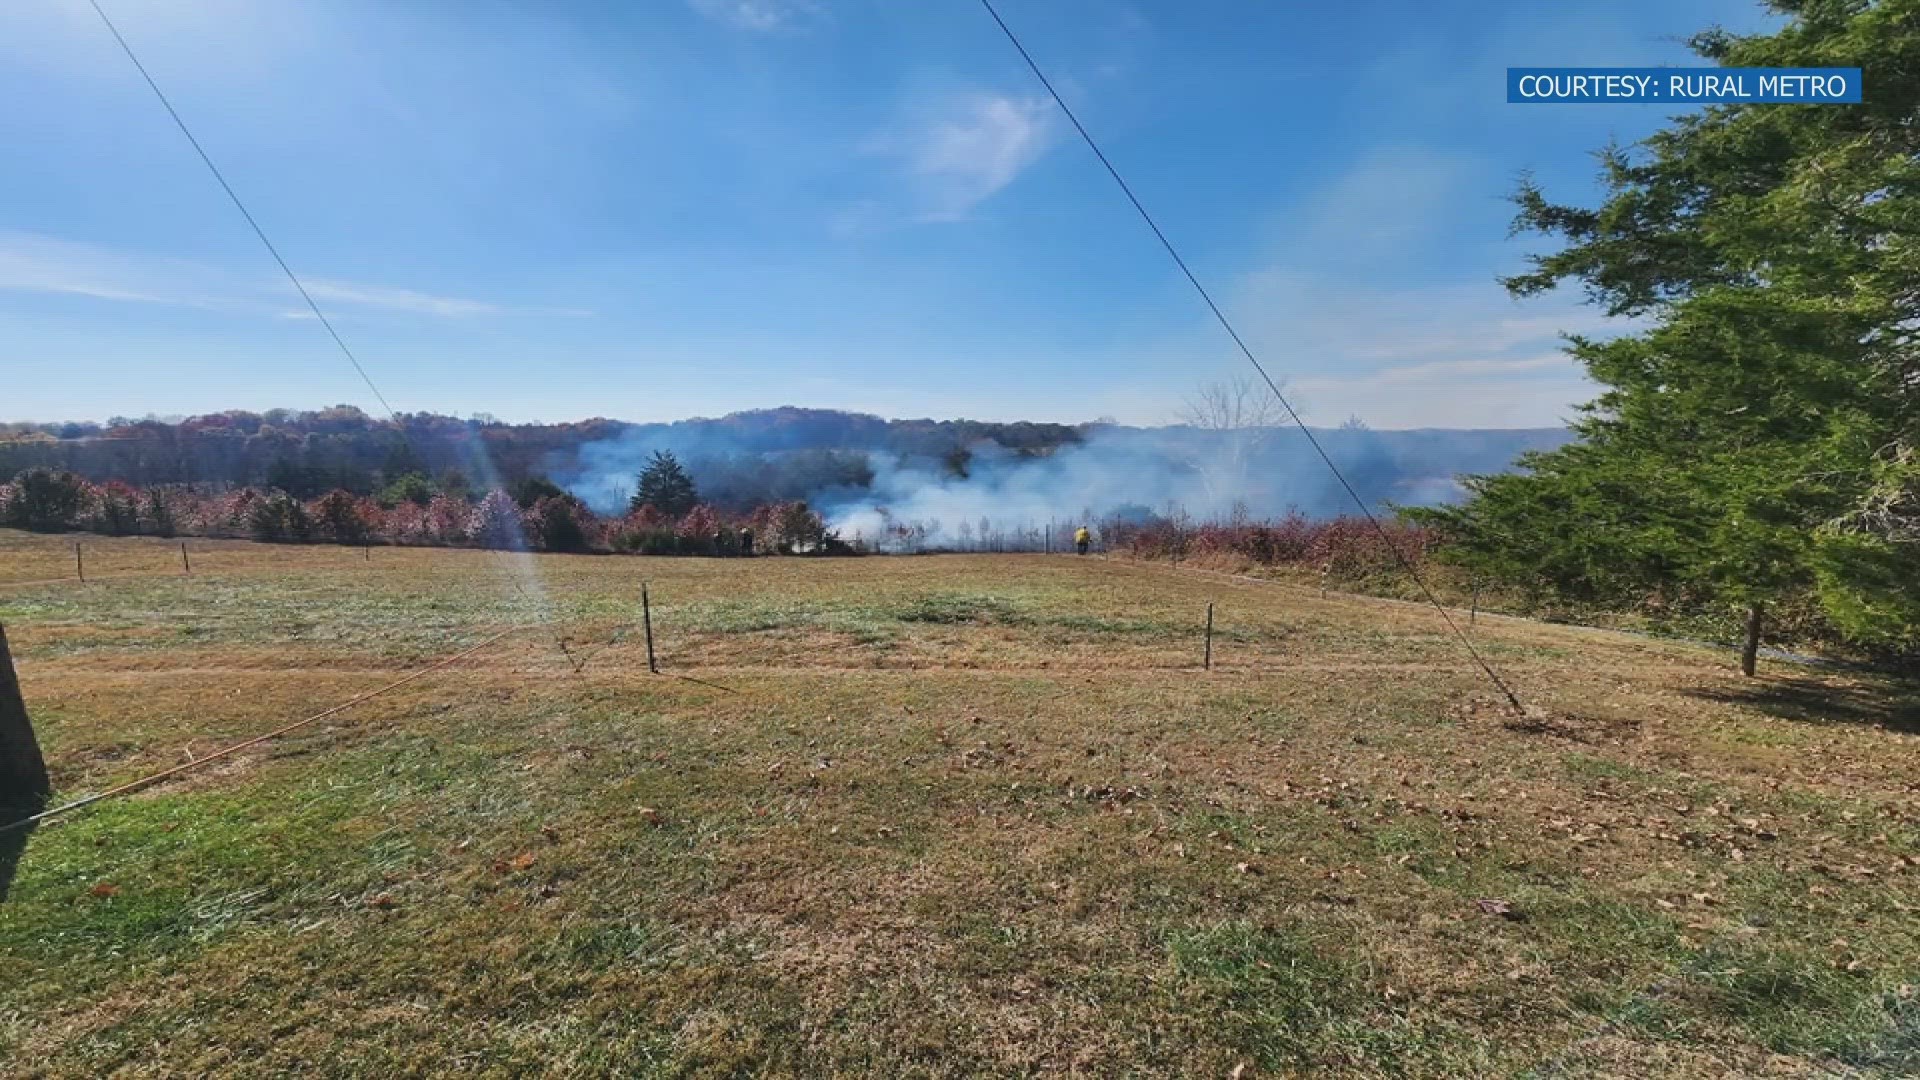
point(554, 209)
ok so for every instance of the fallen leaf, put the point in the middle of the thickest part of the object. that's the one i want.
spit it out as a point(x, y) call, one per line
point(1502, 908)
point(104, 890)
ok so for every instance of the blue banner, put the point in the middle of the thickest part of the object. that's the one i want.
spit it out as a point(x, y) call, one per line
point(1682, 86)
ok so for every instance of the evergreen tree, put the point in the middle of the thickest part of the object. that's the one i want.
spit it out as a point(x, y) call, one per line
point(665, 486)
point(1757, 443)
point(158, 516)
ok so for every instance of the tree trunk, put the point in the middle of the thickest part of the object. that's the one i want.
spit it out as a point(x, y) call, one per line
point(1750, 652)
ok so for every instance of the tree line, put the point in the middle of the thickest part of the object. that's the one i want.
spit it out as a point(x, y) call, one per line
point(666, 516)
point(744, 459)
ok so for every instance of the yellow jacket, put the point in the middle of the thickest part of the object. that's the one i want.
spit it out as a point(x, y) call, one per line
point(1081, 535)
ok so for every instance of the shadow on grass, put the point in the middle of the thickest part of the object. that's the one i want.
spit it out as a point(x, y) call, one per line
point(1890, 703)
point(13, 845)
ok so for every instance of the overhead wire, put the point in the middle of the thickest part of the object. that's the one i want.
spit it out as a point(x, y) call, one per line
point(300, 287)
point(1239, 342)
point(1092, 144)
point(233, 195)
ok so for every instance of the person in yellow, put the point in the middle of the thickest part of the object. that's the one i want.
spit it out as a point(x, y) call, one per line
point(1081, 539)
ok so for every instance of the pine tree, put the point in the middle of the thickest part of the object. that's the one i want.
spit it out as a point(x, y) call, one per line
point(665, 486)
point(1759, 441)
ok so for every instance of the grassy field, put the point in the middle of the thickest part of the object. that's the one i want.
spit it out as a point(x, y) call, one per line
point(936, 816)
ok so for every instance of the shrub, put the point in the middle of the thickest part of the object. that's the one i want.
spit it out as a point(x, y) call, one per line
point(44, 499)
point(115, 510)
point(158, 516)
point(559, 522)
point(279, 517)
point(337, 517)
point(797, 529)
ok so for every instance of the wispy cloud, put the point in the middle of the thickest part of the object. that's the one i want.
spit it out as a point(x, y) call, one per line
point(1538, 391)
point(34, 263)
point(763, 16)
point(1447, 370)
point(1447, 354)
point(968, 148)
point(44, 264)
point(374, 296)
point(419, 303)
point(1366, 302)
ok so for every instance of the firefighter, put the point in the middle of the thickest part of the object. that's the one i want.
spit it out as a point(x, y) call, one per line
point(746, 542)
point(1082, 539)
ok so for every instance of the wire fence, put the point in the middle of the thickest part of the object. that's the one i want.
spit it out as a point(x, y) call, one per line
point(201, 762)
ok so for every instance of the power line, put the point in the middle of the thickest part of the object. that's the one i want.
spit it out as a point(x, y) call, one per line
point(242, 207)
point(1227, 325)
point(292, 277)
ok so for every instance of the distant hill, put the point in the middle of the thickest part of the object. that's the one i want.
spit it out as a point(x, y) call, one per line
point(747, 458)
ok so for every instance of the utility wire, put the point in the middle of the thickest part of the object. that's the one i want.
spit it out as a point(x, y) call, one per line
point(164, 774)
point(207, 160)
point(244, 212)
point(1227, 325)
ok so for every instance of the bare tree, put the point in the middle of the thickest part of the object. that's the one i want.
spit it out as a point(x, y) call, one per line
point(1236, 404)
point(1241, 413)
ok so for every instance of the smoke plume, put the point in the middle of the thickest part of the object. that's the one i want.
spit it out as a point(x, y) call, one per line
point(861, 480)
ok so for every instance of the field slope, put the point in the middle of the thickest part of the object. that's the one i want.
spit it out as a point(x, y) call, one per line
point(933, 816)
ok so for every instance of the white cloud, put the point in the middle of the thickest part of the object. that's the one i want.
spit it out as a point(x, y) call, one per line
point(763, 16)
point(43, 264)
point(399, 299)
point(1534, 391)
point(1354, 303)
point(1470, 369)
point(1453, 354)
point(970, 148)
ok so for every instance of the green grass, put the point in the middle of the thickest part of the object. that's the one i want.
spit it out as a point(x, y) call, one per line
point(955, 816)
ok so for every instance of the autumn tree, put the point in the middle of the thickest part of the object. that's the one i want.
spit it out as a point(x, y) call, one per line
point(337, 517)
point(494, 522)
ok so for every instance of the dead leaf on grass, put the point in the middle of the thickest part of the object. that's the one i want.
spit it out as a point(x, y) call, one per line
point(1502, 908)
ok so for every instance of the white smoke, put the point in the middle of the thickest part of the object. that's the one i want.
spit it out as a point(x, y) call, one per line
point(1115, 471)
point(1206, 476)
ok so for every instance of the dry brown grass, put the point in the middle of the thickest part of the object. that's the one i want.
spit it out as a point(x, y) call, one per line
point(935, 816)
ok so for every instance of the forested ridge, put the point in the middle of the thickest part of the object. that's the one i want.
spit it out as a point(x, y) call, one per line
point(307, 453)
point(741, 461)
